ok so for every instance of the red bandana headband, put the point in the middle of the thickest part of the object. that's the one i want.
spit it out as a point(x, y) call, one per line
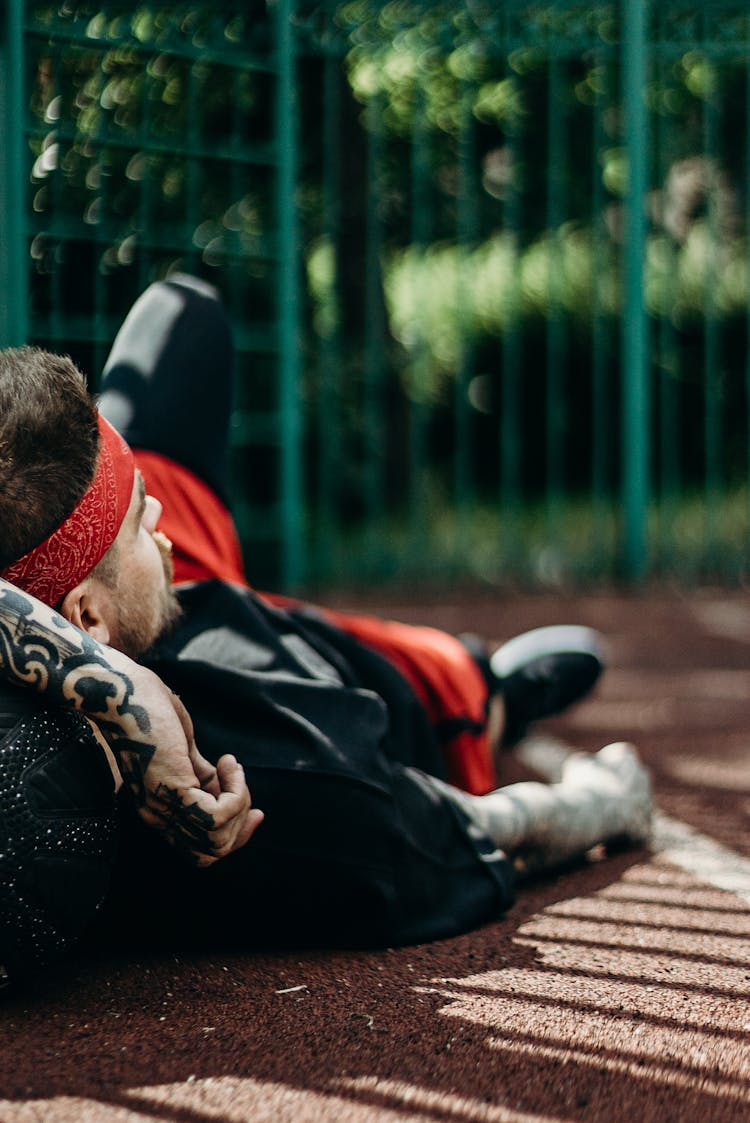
point(55, 566)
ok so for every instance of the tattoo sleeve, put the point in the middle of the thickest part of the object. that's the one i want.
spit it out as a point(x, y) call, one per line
point(39, 648)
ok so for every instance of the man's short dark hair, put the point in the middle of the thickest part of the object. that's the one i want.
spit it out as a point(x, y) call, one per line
point(49, 443)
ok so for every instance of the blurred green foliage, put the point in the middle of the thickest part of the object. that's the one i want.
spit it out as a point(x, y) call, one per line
point(461, 177)
point(154, 125)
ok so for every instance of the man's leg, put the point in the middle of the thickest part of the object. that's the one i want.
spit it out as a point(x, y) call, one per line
point(477, 702)
point(600, 797)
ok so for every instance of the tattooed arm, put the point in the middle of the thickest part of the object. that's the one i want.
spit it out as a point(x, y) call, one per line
point(205, 811)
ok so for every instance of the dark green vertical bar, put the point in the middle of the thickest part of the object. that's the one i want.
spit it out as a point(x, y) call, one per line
point(329, 351)
point(146, 182)
point(193, 168)
point(510, 419)
point(555, 365)
point(511, 422)
point(600, 436)
point(99, 204)
point(669, 427)
point(711, 357)
point(636, 418)
point(375, 435)
point(421, 224)
point(14, 176)
point(466, 220)
point(288, 322)
point(57, 212)
point(234, 294)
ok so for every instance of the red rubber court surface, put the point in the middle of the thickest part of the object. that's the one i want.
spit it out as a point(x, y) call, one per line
point(615, 991)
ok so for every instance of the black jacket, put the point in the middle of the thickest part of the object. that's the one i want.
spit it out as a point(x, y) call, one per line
point(357, 847)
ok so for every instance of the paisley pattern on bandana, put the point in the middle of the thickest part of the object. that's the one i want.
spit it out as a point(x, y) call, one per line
point(55, 566)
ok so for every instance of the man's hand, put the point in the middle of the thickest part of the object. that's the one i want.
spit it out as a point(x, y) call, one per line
point(203, 810)
point(206, 826)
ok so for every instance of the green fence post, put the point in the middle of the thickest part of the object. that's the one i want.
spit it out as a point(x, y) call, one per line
point(556, 341)
point(421, 233)
point(374, 431)
point(13, 176)
point(636, 413)
point(601, 460)
point(329, 350)
point(466, 240)
point(292, 570)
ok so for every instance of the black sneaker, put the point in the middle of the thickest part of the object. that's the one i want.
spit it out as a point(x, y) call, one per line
point(542, 672)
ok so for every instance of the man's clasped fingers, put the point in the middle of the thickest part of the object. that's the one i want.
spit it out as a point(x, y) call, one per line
point(206, 826)
point(236, 819)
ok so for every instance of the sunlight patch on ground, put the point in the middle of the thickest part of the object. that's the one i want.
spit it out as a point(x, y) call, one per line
point(709, 861)
point(232, 1099)
point(445, 1105)
point(728, 775)
point(627, 984)
point(724, 618)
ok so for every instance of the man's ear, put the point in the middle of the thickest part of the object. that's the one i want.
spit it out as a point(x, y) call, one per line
point(85, 606)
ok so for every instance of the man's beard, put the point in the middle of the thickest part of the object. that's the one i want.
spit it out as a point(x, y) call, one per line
point(136, 633)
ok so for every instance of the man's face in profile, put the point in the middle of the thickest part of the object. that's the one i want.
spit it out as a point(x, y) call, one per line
point(144, 605)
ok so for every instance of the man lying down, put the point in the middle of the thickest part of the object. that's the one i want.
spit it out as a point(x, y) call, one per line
point(290, 774)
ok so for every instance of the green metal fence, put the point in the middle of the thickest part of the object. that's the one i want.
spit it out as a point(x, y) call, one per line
point(487, 264)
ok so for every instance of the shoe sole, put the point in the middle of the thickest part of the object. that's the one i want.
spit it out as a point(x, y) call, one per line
point(556, 639)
